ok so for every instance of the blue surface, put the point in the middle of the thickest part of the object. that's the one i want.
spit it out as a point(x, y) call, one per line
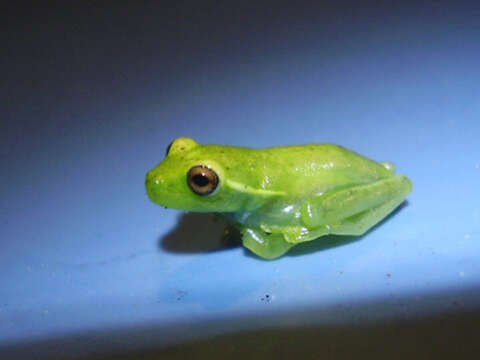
point(82, 249)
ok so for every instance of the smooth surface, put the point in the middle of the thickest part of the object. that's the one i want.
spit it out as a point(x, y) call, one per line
point(93, 96)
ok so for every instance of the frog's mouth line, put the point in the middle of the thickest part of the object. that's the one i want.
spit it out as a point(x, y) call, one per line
point(166, 198)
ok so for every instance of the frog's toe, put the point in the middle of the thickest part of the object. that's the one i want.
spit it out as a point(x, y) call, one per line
point(267, 246)
point(302, 234)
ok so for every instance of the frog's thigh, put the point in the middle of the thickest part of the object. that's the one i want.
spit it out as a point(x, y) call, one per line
point(331, 207)
point(266, 246)
point(358, 224)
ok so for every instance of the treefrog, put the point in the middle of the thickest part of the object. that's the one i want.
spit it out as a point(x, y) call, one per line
point(278, 197)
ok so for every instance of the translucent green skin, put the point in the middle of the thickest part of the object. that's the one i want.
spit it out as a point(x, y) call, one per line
point(280, 196)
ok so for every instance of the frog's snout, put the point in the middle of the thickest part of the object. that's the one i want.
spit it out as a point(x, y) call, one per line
point(150, 178)
point(152, 183)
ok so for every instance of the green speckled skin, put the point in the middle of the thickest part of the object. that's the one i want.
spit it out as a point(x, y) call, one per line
point(280, 196)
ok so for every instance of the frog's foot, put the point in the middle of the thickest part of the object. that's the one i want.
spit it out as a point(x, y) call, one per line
point(299, 234)
point(296, 234)
point(265, 245)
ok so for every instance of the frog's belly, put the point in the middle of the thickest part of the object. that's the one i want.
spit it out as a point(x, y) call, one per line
point(288, 215)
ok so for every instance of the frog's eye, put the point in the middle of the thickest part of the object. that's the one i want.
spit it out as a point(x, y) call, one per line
point(168, 149)
point(202, 180)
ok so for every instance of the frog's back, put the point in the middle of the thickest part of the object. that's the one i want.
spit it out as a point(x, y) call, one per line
point(299, 170)
point(320, 167)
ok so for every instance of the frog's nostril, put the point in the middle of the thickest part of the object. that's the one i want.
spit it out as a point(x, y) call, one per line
point(150, 180)
point(153, 178)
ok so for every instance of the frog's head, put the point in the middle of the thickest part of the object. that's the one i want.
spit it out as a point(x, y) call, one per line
point(191, 178)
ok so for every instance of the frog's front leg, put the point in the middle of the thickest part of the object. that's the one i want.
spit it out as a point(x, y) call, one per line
point(263, 244)
point(356, 209)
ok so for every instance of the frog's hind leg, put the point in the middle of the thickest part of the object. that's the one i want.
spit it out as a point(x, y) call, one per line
point(360, 223)
point(355, 225)
point(330, 208)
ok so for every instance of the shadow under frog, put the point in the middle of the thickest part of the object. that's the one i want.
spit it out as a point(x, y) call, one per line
point(198, 233)
point(205, 232)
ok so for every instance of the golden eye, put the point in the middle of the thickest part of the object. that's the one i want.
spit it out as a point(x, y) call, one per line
point(202, 180)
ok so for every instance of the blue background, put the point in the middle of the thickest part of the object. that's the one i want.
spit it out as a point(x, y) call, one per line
point(92, 95)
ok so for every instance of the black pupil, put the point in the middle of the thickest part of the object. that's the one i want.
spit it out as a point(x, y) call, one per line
point(201, 180)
